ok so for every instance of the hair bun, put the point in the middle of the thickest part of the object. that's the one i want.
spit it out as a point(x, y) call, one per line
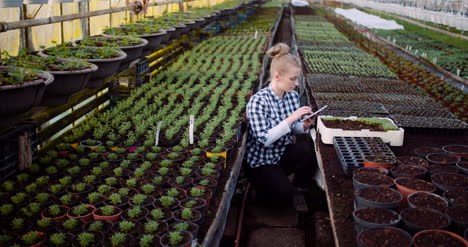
point(278, 50)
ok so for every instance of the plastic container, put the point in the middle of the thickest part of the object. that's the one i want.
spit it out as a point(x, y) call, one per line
point(372, 179)
point(456, 196)
point(413, 228)
point(456, 149)
point(412, 160)
point(405, 191)
point(450, 181)
point(423, 151)
point(386, 237)
point(443, 159)
point(460, 220)
point(430, 197)
point(399, 171)
point(362, 224)
point(463, 166)
point(393, 137)
point(379, 161)
point(362, 202)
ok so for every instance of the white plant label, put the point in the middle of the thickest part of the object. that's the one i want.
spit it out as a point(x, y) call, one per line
point(416, 52)
point(458, 71)
point(434, 60)
point(256, 34)
point(192, 121)
point(156, 137)
point(394, 41)
point(462, 87)
point(410, 48)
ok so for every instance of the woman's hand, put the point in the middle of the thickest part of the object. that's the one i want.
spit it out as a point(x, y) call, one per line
point(298, 114)
point(308, 122)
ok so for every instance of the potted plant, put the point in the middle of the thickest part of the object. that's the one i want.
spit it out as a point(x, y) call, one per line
point(442, 158)
point(103, 226)
point(382, 236)
point(366, 179)
point(88, 239)
point(33, 238)
point(159, 214)
point(375, 217)
point(435, 237)
point(142, 200)
point(148, 240)
point(379, 161)
point(187, 214)
point(455, 197)
point(55, 212)
point(115, 199)
point(377, 197)
point(198, 204)
point(408, 171)
point(83, 212)
point(107, 59)
point(155, 227)
point(449, 181)
point(181, 181)
point(70, 76)
point(151, 34)
point(127, 227)
point(120, 239)
point(167, 202)
point(418, 219)
point(110, 213)
point(177, 239)
point(72, 225)
point(423, 199)
point(132, 46)
point(135, 213)
point(46, 225)
point(25, 87)
point(59, 239)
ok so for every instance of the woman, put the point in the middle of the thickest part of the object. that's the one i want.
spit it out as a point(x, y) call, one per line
point(273, 114)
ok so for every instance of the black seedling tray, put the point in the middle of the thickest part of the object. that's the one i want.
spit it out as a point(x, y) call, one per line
point(358, 106)
point(419, 111)
point(351, 150)
point(429, 122)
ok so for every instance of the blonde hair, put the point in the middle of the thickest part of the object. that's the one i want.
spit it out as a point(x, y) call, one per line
point(281, 59)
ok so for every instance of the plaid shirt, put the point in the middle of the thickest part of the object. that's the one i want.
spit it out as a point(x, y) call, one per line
point(266, 110)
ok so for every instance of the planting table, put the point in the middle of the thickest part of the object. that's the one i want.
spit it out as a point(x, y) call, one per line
point(339, 187)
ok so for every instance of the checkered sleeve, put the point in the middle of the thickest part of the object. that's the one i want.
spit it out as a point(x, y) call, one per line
point(256, 114)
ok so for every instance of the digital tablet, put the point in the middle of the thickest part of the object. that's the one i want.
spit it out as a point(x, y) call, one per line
point(313, 114)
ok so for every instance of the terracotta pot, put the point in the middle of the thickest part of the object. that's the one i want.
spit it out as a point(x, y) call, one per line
point(406, 191)
point(84, 218)
point(58, 218)
point(419, 235)
point(369, 161)
point(43, 236)
point(112, 218)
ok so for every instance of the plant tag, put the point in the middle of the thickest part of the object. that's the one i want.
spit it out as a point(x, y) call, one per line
point(462, 87)
point(434, 60)
point(394, 41)
point(256, 34)
point(410, 47)
point(156, 141)
point(458, 71)
point(416, 52)
point(192, 121)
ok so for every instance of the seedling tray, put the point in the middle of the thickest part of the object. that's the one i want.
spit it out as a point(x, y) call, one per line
point(419, 111)
point(429, 122)
point(351, 150)
point(359, 106)
point(393, 137)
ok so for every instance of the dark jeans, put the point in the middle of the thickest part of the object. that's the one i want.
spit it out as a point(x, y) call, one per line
point(271, 181)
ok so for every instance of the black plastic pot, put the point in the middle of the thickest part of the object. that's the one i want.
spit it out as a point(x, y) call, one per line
point(399, 171)
point(66, 84)
point(429, 198)
point(447, 159)
point(20, 98)
point(376, 180)
point(449, 181)
point(458, 214)
point(170, 33)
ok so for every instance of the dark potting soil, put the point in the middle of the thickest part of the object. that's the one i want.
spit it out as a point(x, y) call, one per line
point(439, 239)
point(451, 180)
point(408, 170)
point(436, 168)
point(423, 151)
point(379, 194)
point(443, 158)
point(377, 215)
point(416, 184)
point(373, 179)
point(412, 160)
point(425, 200)
point(351, 125)
point(459, 213)
point(424, 217)
point(380, 159)
point(368, 170)
point(457, 196)
point(303, 11)
point(463, 164)
point(384, 237)
point(458, 149)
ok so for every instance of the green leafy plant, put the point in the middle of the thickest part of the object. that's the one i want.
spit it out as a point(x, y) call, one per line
point(126, 226)
point(181, 226)
point(157, 214)
point(157, 180)
point(118, 239)
point(17, 223)
point(96, 226)
point(66, 199)
point(32, 209)
point(56, 188)
point(148, 188)
point(190, 204)
point(44, 223)
point(173, 192)
point(6, 209)
point(167, 201)
point(175, 238)
point(179, 179)
point(71, 224)
point(131, 183)
point(124, 191)
point(65, 181)
point(42, 180)
point(42, 197)
point(104, 189)
point(187, 214)
point(80, 210)
point(31, 238)
point(185, 171)
point(165, 163)
point(92, 156)
point(204, 182)
point(146, 240)
point(163, 171)
point(84, 162)
point(151, 226)
point(134, 212)
point(197, 192)
point(94, 197)
point(111, 181)
point(207, 172)
point(19, 198)
point(107, 210)
point(79, 187)
point(115, 199)
point(58, 239)
point(8, 185)
point(54, 210)
point(173, 156)
point(151, 156)
point(90, 179)
point(86, 239)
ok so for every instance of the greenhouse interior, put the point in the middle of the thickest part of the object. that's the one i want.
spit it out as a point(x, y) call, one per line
point(256, 151)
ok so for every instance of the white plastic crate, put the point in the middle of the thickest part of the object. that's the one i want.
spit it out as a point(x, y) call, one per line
point(393, 137)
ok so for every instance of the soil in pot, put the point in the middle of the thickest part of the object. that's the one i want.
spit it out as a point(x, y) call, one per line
point(438, 168)
point(458, 150)
point(450, 181)
point(411, 160)
point(459, 214)
point(384, 237)
point(417, 219)
point(444, 159)
point(408, 171)
point(427, 200)
point(347, 124)
point(363, 179)
point(377, 194)
point(370, 217)
point(415, 184)
point(378, 170)
point(456, 196)
point(438, 238)
point(379, 161)
point(423, 151)
point(463, 165)
point(186, 239)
